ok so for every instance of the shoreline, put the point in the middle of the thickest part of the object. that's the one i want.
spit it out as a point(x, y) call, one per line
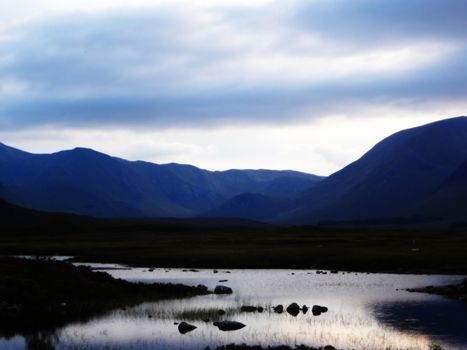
point(124, 302)
point(453, 291)
point(47, 294)
point(323, 270)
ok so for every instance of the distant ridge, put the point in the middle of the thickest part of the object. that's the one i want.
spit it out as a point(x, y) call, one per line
point(416, 176)
point(85, 182)
point(252, 206)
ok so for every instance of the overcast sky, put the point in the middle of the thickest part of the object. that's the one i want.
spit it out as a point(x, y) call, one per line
point(301, 84)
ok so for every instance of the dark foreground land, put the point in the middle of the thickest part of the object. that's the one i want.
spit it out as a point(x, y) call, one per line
point(46, 294)
point(216, 244)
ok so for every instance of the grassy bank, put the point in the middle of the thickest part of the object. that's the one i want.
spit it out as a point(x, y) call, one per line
point(43, 294)
point(210, 246)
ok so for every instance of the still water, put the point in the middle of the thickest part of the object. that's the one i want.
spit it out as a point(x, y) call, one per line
point(366, 311)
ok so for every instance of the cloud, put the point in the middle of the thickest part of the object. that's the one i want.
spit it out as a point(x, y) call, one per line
point(172, 64)
point(368, 22)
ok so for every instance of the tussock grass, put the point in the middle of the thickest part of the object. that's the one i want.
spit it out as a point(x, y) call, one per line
point(152, 244)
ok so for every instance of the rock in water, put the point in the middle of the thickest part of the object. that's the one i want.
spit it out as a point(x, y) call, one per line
point(202, 288)
point(223, 290)
point(185, 327)
point(293, 309)
point(279, 309)
point(229, 325)
point(318, 310)
point(247, 308)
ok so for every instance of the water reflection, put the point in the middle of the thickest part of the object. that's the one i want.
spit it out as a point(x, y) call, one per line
point(444, 318)
point(41, 341)
point(365, 311)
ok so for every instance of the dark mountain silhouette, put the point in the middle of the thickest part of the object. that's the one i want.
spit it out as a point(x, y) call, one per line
point(14, 218)
point(395, 178)
point(412, 176)
point(14, 215)
point(252, 206)
point(86, 182)
point(450, 199)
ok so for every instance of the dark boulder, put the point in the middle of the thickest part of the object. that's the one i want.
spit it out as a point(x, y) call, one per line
point(202, 288)
point(318, 310)
point(293, 309)
point(223, 290)
point(185, 327)
point(278, 309)
point(229, 325)
point(247, 308)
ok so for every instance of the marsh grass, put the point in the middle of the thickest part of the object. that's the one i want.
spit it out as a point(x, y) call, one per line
point(201, 314)
point(177, 245)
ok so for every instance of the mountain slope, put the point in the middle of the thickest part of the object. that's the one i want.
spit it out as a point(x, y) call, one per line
point(14, 215)
point(450, 199)
point(252, 206)
point(86, 182)
point(394, 177)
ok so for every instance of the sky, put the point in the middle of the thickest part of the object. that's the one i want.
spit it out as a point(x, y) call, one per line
point(308, 85)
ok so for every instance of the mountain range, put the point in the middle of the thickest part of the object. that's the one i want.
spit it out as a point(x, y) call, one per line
point(418, 173)
point(86, 182)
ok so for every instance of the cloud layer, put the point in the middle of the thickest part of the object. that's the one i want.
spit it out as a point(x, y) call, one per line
point(196, 81)
point(169, 65)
